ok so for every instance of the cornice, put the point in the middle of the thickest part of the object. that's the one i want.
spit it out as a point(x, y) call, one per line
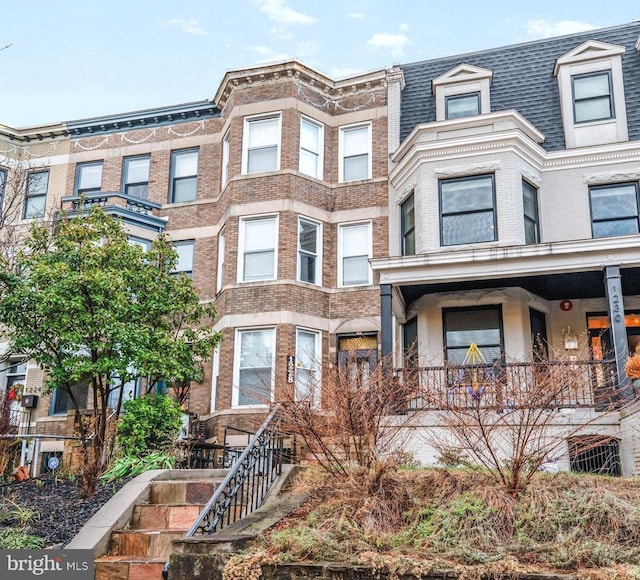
point(294, 69)
point(34, 133)
point(145, 119)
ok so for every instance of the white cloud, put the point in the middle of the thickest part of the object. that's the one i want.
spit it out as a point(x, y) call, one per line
point(278, 11)
point(394, 42)
point(356, 15)
point(547, 28)
point(188, 26)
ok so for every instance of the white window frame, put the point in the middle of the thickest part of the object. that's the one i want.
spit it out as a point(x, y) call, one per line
point(341, 157)
point(245, 140)
point(341, 256)
point(192, 245)
point(226, 150)
point(30, 195)
point(80, 167)
point(242, 244)
point(462, 80)
point(235, 394)
point(220, 266)
point(315, 368)
point(215, 379)
point(319, 153)
point(318, 253)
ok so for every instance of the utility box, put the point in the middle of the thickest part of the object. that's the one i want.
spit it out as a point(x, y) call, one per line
point(29, 401)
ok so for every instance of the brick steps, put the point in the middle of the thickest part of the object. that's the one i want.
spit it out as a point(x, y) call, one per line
point(139, 551)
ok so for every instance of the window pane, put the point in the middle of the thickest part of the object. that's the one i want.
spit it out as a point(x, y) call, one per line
point(254, 386)
point(139, 190)
point(185, 189)
point(591, 86)
point(529, 198)
point(35, 207)
point(306, 350)
point(355, 270)
point(308, 236)
point(185, 257)
point(408, 214)
point(309, 163)
point(309, 136)
point(186, 164)
point(307, 268)
point(264, 159)
point(530, 232)
point(615, 228)
point(356, 141)
point(256, 356)
point(137, 170)
point(259, 234)
point(466, 327)
point(593, 109)
point(462, 106)
point(263, 132)
point(409, 247)
point(90, 176)
point(259, 265)
point(468, 228)
point(614, 201)
point(356, 167)
point(467, 194)
point(355, 240)
point(491, 354)
point(37, 183)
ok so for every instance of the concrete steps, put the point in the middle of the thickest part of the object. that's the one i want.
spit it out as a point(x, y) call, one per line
point(139, 550)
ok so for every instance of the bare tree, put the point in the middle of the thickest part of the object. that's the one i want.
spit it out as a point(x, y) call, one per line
point(512, 418)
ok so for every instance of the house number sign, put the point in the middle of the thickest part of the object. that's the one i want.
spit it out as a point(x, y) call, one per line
point(615, 303)
point(291, 369)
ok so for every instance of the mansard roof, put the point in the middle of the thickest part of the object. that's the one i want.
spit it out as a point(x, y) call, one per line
point(523, 79)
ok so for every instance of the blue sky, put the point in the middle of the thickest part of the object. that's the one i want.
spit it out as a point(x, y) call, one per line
point(69, 59)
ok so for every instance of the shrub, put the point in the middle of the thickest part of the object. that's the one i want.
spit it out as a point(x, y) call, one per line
point(150, 423)
point(131, 466)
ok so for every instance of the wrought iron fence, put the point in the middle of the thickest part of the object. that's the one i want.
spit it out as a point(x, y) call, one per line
point(554, 384)
point(247, 482)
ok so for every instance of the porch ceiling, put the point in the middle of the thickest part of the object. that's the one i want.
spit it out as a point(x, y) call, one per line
point(564, 286)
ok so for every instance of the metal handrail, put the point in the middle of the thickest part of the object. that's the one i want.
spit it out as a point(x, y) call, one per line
point(249, 480)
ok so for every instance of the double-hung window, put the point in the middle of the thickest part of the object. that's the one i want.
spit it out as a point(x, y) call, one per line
point(308, 366)
point(226, 151)
point(135, 176)
point(184, 263)
point(253, 368)
point(467, 206)
point(354, 243)
point(465, 105)
point(408, 226)
point(36, 198)
point(220, 269)
point(258, 248)
point(309, 251)
point(261, 144)
point(614, 209)
point(592, 97)
point(311, 144)
point(530, 205)
point(355, 152)
point(88, 177)
point(184, 176)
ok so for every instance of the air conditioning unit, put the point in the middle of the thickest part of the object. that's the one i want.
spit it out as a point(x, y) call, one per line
point(29, 401)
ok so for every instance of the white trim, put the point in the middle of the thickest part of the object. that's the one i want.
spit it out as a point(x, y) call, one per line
point(320, 144)
point(317, 363)
point(461, 80)
point(341, 131)
point(341, 228)
point(215, 375)
point(319, 245)
point(235, 394)
point(245, 139)
point(226, 152)
point(220, 259)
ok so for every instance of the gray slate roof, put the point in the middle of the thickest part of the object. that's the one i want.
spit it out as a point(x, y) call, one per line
point(523, 79)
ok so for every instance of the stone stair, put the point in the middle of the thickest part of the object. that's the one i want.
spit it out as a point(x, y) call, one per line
point(139, 550)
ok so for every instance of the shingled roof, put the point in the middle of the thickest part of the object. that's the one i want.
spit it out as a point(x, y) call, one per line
point(523, 79)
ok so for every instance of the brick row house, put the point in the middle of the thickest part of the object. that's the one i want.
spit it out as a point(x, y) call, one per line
point(489, 198)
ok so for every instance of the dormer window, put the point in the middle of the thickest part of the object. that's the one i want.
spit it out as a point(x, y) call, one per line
point(464, 91)
point(592, 94)
point(462, 106)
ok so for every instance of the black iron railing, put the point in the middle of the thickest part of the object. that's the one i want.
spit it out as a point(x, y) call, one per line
point(248, 481)
point(589, 384)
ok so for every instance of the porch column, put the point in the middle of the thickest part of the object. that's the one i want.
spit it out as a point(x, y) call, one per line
point(386, 321)
point(615, 306)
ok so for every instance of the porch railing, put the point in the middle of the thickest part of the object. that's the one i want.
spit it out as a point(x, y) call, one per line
point(248, 481)
point(553, 384)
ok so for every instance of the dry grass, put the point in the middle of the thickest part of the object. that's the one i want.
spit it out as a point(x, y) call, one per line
point(420, 519)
